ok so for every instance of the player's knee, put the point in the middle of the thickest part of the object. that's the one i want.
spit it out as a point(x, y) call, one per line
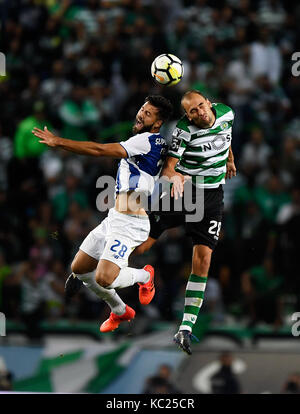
point(76, 267)
point(103, 278)
point(82, 264)
point(80, 268)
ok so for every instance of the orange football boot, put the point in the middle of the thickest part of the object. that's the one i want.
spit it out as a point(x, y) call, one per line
point(147, 290)
point(114, 320)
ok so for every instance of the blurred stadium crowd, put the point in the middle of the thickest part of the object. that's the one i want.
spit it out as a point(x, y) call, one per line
point(83, 69)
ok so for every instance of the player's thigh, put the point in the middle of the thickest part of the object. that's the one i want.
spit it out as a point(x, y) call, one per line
point(83, 263)
point(205, 232)
point(117, 251)
point(114, 257)
point(205, 235)
point(91, 249)
point(116, 254)
point(125, 234)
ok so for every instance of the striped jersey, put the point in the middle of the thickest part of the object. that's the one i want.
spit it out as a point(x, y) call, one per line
point(139, 171)
point(204, 152)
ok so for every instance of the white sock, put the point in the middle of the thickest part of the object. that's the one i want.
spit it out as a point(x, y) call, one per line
point(110, 296)
point(128, 277)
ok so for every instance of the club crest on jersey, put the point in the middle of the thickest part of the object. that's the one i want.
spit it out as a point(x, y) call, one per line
point(224, 125)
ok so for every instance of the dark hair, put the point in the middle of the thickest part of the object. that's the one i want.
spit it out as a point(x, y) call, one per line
point(164, 106)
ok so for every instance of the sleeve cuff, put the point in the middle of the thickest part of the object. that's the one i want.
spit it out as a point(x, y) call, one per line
point(170, 154)
point(125, 149)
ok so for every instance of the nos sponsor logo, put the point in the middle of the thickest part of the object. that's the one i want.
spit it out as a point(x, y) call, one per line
point(217, 144)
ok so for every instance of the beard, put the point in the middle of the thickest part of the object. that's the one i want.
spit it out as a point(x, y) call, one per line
point(139, 129)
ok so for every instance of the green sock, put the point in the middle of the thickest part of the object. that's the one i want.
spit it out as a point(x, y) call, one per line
point(194, 295)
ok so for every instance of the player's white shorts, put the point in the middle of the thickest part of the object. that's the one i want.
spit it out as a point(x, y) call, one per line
point(116, 237)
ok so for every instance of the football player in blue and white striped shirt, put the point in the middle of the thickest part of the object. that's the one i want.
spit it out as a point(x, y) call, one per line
point(101, 263)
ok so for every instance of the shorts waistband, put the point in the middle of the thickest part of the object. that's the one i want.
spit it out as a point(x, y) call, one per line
point(131, 215)
point(220, 187)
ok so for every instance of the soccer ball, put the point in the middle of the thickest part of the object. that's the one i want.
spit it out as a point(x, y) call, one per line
point(167, 69)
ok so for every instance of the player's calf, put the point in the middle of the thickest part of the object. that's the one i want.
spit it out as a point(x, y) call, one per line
point(201, 260)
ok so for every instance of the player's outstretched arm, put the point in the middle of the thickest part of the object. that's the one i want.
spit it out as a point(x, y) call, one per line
point(80, 147)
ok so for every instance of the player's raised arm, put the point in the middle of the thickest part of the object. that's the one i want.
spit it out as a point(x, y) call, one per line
point(80, 147)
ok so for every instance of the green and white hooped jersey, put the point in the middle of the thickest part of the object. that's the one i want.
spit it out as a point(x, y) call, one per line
point(204, 152)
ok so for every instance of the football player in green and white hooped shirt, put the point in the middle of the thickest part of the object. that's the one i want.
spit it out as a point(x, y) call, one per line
point(203, 151)
point(201, 147)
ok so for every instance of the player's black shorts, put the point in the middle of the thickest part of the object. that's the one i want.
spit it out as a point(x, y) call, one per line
point(204, 232)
